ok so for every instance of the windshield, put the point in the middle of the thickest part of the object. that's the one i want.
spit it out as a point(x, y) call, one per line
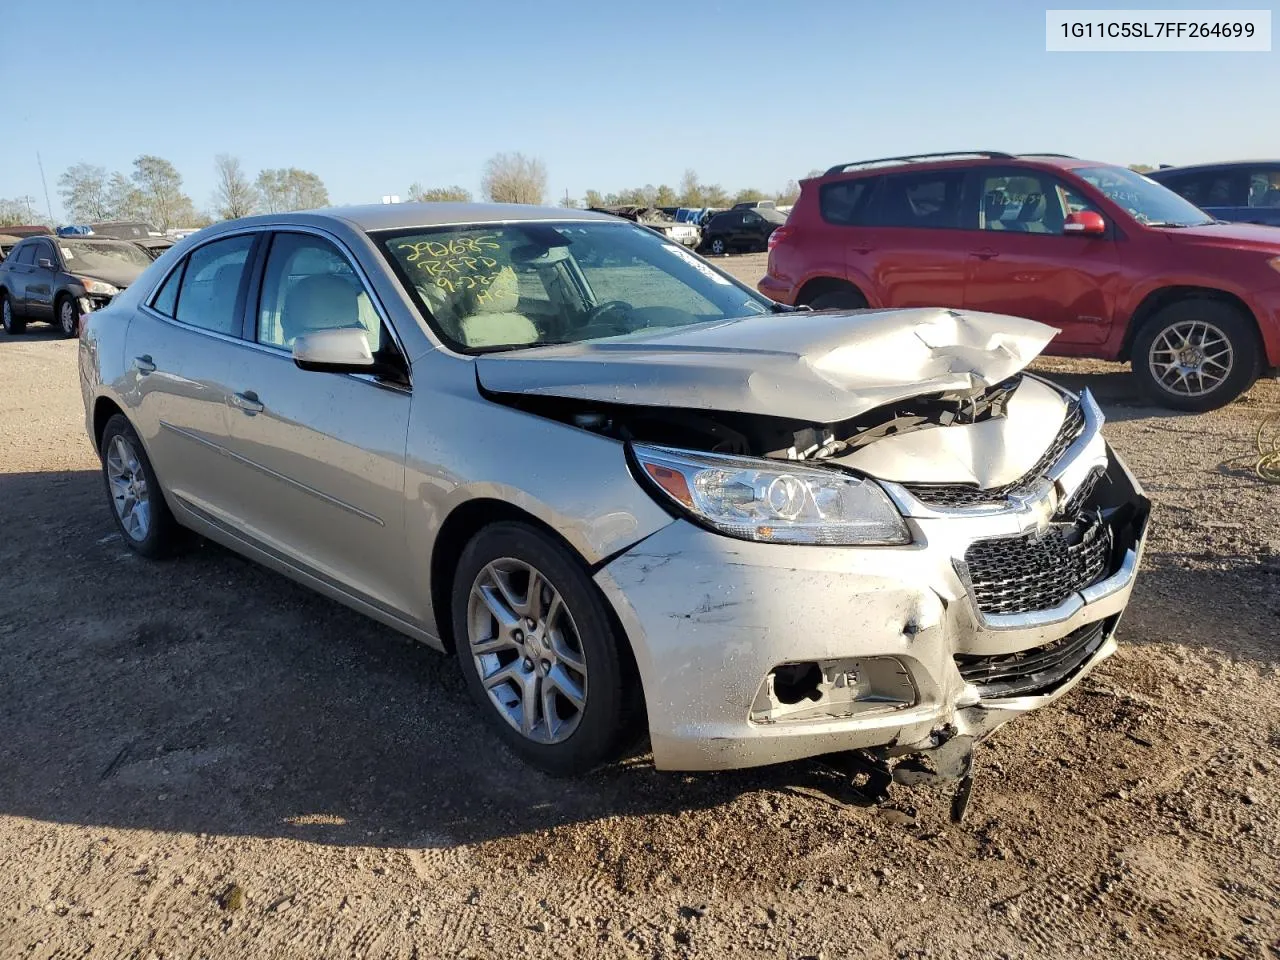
point(83, 256)
point(506, 286)
point(1147, 201)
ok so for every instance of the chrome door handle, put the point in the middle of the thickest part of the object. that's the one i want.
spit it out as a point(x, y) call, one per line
point(248, 402)
point(144, 364)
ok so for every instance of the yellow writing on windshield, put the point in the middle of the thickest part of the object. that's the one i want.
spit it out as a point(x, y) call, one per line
point(459, 263)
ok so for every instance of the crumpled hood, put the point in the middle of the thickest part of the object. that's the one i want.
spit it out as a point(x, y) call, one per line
point(120, 276)
point(821, 367)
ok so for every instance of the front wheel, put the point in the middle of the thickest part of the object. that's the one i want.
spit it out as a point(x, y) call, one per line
point(539, 652)
point(1196, 355)
point(68, 313)
point(9, 319)
point(718, 246)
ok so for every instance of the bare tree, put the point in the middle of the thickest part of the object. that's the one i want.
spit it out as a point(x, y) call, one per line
point(593, 198)
point(569, 202)
point(714, 196)
point(159, 186)
point(19, 210)
point(124, 199)
point(664, 196)
point(691, 191)
point(234, 196)
point(514, 178)
point(291, 189)
point(788, 194)
point(84, 193)
point(455, 194)
point(747, 195)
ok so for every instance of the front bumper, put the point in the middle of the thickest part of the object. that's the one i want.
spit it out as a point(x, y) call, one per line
point(711, 619)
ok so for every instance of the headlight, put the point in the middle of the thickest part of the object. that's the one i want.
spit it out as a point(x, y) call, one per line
point(98, 287)
point(773, 501)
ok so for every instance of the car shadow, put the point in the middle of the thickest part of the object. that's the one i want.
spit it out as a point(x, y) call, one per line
point(206, 694)
point(35, 331)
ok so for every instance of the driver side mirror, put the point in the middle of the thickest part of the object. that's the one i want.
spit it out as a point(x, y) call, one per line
point(1087, 222)
point(344, 350)
point(44, 263)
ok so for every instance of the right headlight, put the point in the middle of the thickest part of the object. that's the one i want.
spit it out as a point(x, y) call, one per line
point(773, 501)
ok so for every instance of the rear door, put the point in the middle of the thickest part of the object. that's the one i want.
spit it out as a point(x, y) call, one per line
point(320, 457)
point(914, 250)
point(1022, 264)
point(177, 349)
point(19, 265)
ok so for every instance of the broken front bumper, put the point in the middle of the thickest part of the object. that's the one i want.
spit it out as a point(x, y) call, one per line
point(755, 653)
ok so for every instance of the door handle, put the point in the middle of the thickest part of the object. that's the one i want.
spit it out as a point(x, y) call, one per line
point(861, 250)
point(144, 364)
point(248, 402)
point(986, 253)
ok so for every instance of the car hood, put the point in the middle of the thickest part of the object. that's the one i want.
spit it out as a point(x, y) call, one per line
point(1251, 235)
point(120, 276)
point(821, 367)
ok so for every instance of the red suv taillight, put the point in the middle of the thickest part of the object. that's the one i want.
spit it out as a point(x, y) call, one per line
point(782, 233)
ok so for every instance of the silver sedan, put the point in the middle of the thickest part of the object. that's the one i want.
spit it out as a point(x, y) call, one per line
point(627, 492)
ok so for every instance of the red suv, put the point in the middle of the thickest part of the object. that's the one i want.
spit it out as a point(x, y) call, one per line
point(1123, 267)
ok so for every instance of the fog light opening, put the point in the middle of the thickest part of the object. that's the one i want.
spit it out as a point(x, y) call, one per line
point(794, 682)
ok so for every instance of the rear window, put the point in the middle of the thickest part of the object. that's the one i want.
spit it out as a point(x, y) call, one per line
point(844, 202)
point(928, 200)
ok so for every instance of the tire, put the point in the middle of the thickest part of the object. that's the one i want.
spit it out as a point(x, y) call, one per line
point(1202, 325)
point(845, 298)
point(579, 644)
point(124, 462)
point(9, 319)
point(66, 314)
point(718, 246)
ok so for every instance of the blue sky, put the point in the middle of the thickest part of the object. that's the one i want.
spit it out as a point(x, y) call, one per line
point(373, 95)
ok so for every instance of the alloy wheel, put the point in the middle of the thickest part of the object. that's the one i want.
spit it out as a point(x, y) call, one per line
point(128, 485)
point(527, 650)
point(67, 318)
point(1191, 358)
point(7, 320)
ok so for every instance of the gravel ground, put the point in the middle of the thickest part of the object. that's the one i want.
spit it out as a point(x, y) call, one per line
point(200, 759)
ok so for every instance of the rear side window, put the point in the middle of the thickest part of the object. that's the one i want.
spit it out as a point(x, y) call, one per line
point(166, 300)
point(1264, 188)
point(928, 200)
point(844, 202)
point(209, 295)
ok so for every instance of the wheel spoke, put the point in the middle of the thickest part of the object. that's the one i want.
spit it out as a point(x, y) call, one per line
point(533, 595)
point(529, 704)
point(566, 654)
point(496, 601)
point(549, 715)
point(568, 687)
point(507, 674)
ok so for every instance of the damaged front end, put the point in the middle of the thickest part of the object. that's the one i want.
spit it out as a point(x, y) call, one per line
point(888, 537)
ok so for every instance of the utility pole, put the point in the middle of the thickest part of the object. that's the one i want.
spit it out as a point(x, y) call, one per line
point(48, 205)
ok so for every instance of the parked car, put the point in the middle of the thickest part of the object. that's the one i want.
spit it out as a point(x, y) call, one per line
point(58, 279)
point(1124, 268)
point(742, 229)
point(618, 484)
point(154, 246)
point(685, 234)
point(125, 230)
point(1244, 191)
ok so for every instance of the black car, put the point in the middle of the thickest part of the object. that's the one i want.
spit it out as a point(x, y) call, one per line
point(1244, 191)
point(56, 279)
point(744, 229)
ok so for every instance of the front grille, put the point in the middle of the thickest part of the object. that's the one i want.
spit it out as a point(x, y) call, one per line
point(1035, 670)
point(1026, 574)
point(967, 495)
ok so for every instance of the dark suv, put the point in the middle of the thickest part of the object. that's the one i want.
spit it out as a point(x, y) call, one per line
point(743, 228)
point(58, 279)
point(1123, 268)
point(1245, 191)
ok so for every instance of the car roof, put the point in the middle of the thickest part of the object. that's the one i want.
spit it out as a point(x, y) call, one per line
point(961, 159)
point(1225, 164)
point(399, 216)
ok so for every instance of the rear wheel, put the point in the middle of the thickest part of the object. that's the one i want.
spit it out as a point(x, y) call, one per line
point(718, 246)
point(9, 318)
point(137, 502)
point(1196, 355)
point(845, 298)
point(68, 314)
point(540, 653)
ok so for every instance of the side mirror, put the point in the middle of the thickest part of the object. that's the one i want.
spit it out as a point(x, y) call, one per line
point(344, 350)
point(1086, 222)
point(45, 263)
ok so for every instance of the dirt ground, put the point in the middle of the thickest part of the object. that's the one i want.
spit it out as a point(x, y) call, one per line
point(199, 759)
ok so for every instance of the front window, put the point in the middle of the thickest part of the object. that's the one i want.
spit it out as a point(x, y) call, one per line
point(1145, 200)
point(83, 256)
point(506, 286)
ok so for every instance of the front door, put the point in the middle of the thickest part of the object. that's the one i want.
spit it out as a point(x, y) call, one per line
point(1022, 264)
point(41, 282)
point(321, 456)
